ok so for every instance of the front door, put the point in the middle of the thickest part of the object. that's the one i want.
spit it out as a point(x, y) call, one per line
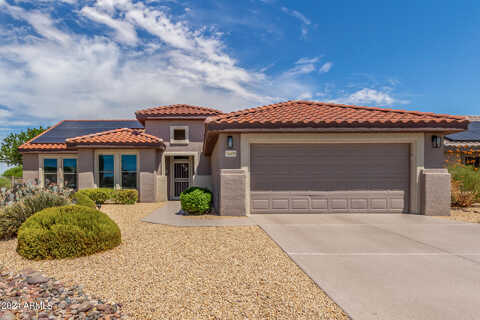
point(181, 177)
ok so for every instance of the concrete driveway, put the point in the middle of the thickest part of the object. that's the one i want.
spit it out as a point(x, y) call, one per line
point(386, 266)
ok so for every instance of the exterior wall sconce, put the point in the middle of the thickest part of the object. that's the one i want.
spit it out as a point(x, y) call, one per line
point(229, 142)
point(436, 142)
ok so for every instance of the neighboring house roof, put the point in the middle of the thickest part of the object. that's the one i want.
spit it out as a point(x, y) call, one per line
point(53, 139)
point(325, 116)
point(176, 111)
point(468, 138)
point(117, 137)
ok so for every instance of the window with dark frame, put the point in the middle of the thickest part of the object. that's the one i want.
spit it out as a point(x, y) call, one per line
point(179, 134)
point(70, 173)
point(129, 171)
point(106, 171)
point(50, 171)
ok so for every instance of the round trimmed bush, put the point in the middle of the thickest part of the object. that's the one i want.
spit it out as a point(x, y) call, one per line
point(66, 232)
point(196, 201)
point(82, 199)
point(98, 195)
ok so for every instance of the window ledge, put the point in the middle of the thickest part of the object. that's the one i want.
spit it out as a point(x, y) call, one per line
point(184, 142)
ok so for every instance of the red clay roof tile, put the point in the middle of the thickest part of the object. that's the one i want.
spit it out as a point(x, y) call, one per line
point(294, 114)
point(176, 111)
point(43, 147)
point(124, 136)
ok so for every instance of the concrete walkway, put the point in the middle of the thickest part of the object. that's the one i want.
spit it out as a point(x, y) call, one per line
point(168, 214)
point(386, 266)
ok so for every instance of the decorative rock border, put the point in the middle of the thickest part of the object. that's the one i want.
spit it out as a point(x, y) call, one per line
point(30, 295)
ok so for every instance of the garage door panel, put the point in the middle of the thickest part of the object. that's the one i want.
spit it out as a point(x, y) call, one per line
point(329, 178)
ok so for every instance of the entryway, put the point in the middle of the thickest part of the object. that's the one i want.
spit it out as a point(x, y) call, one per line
point(180, 175)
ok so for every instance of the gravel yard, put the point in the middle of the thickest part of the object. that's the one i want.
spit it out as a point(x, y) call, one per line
point(163, 272)
point(466, 214)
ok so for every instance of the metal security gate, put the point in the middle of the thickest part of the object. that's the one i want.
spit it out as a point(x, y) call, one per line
point(181, 176)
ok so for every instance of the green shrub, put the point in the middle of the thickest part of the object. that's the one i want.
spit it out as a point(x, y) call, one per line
point(14, 215)
point(5, 182)
point(82, 199)
point(17, 172)
point(66, 232)
point(469, 178)
point(98, 195)
point(196, 201)
point(125, 196)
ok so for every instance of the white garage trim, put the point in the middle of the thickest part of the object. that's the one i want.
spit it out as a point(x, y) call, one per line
point(416, 141)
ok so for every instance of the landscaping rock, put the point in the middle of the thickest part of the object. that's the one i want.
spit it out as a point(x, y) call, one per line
point(31, 295)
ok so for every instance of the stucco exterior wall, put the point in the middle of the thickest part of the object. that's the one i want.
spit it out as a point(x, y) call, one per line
point(232, 192)
point(219, 161)
point(434, 157)
point(30, 168)
point(86, 169)
point(161, 129)
point(435, 192)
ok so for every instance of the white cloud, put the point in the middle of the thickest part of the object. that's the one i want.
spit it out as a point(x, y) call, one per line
point(367, 96)
point(307, 60)
point(125, 32)
point(297, 14)
point(42, 24)
point(326, 67)
point(66, 75)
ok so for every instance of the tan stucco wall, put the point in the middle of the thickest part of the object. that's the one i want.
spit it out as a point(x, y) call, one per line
point(86, 167)
point(161, 129)
point(149, 163)
point(232, 192)
point(434, 157)
point(435, 192)
point(218, 161)
point(30, 168)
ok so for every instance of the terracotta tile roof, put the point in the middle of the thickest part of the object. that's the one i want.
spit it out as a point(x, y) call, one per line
point(122, 137)
point(310, 114)
point(183, 111)
point(43, 147)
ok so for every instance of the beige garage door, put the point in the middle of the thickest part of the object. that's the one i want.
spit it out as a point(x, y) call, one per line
point(323, 178)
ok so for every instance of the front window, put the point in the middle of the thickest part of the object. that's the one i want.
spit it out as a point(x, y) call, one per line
point(50, 172)
point(179, 134)
point(106, 171)
point(70, 173)
point(129, 171)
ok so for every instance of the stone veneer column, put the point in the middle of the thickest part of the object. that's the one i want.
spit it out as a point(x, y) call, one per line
point(435, 192)
point(232, 192)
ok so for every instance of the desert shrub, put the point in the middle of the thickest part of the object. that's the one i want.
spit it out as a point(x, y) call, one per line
point(9, 196)
point(12, 217)
point(469, 178)
point(98, 195)
point(125, 196)
point(196, 201)
point(120, 196)
point(82, 199)
point(5, 182)
point(16, 172)
point(460, 198)
point(65, 232)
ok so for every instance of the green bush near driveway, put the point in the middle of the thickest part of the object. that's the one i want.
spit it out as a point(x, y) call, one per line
point(67, 232)
point(468, 178)
point(82, 199)
point(196, 200)
point(12, 216)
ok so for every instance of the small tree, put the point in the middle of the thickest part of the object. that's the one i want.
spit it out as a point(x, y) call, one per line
point(9, 148)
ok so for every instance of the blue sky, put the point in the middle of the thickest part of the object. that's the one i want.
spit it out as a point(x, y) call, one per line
point(104, 59)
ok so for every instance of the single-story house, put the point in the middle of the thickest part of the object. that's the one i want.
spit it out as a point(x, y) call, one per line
point(290, 157)
point(464, 147)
